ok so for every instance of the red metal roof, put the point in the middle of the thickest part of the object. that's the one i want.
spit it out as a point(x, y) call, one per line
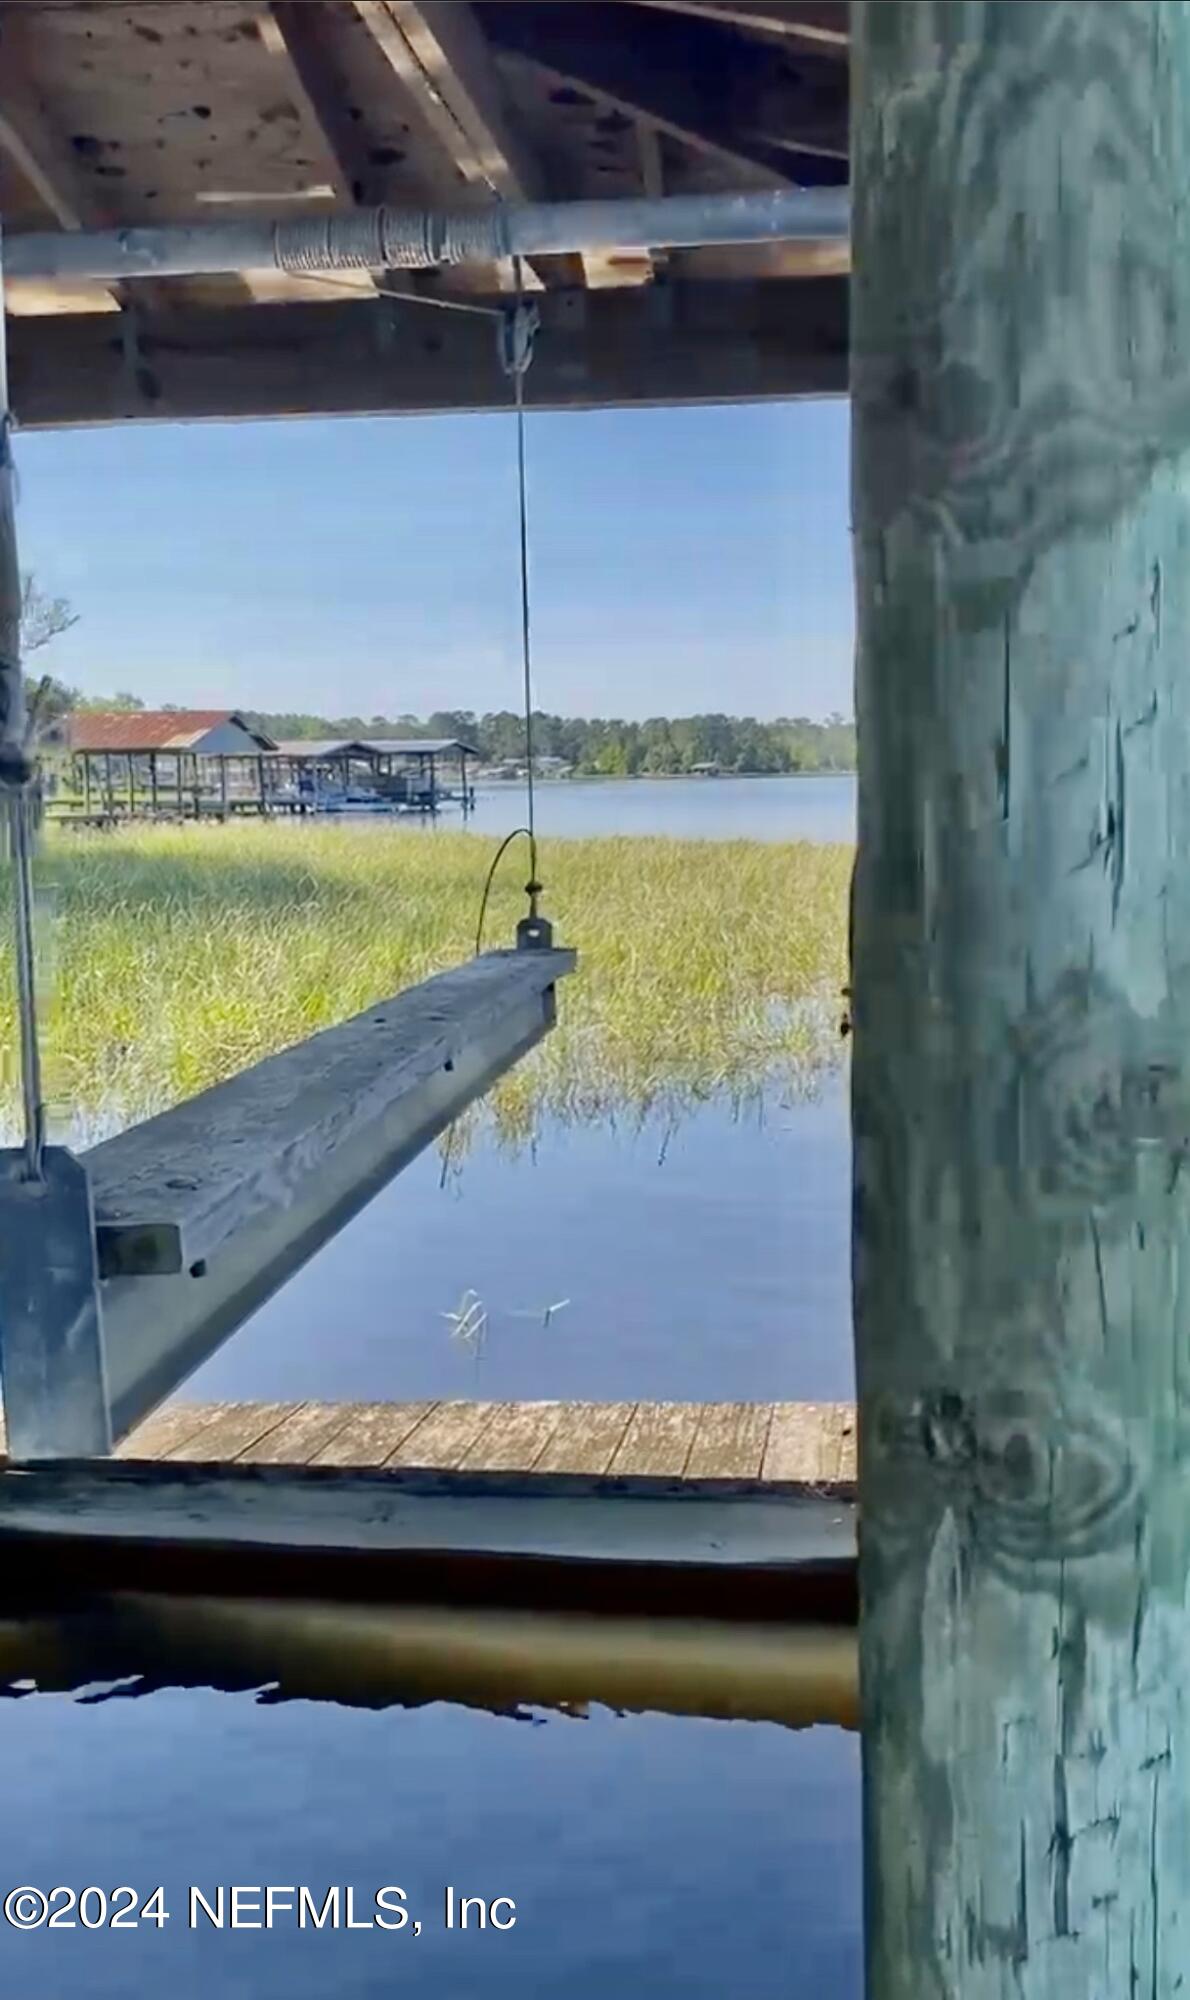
point(150, 728)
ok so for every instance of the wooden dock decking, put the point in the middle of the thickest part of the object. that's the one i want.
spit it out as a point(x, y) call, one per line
point(811, 1444)
point(738, 1510)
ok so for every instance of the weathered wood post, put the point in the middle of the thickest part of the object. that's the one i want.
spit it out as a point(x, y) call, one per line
point(153, 781)
point(131, 787)
point(1021, 384)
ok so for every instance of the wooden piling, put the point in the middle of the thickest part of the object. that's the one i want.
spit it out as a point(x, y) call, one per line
point(1021, 384)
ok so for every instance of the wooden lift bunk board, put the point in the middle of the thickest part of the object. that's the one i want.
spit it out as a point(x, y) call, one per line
point(202, 1212)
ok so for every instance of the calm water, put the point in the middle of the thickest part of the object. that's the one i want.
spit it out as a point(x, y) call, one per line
point(683, 1859)
point(707, 1262)
point(683, 808)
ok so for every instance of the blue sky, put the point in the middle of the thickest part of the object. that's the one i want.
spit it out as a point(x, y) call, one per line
point(682, 560)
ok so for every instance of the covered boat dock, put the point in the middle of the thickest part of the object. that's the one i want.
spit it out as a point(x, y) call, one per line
point(1015, 336)
point(378, 773)
point(178, 763)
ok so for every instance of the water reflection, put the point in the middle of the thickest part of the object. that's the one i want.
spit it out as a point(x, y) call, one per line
point(683, 1859)
point(706, 1259)
point(493, 1656)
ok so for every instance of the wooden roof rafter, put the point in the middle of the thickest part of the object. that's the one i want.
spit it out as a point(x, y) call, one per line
point(701, 82)
point(157, 111)
point(441, 60)
point(821, 24)
point(37, 152)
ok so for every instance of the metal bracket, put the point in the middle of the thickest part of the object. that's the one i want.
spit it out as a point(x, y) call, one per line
point(517, 333)
point(535, 933)
point(51, 1324)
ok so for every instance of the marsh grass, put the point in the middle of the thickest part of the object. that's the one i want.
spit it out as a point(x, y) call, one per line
point(177, 956)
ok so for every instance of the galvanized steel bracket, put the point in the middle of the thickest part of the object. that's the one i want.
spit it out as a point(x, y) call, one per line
point(52, 1363)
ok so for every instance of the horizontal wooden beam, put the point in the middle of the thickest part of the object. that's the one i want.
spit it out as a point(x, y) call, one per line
point(210, 1207)
point(556, 1516)
point(169, 1192)
point(653, 345)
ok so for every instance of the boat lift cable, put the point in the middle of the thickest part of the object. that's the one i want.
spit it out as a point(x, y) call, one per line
point(51, 1340)
point(518, 332)
point(17, 787)
point(517, 328)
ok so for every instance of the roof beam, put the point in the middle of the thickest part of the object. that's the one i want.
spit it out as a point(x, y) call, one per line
point(29, 142)
point(294, 34)
point(701, 82)
point(701, 343)
point(821, 24)
point(440, 56)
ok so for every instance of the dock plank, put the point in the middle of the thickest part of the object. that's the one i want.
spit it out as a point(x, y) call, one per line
point(370, 1432)
point(445, 1437)
point(514, 1437)
point(839, 1456)
point(730, 1441)
point(806, 1442)
point(233, 1430)
point(812, 1444)
point(587, 1437)
point(658, 1439)
point(167, 1430)
point(304, 1431)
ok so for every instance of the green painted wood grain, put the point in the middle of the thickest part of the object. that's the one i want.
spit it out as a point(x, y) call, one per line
point(1021, 380)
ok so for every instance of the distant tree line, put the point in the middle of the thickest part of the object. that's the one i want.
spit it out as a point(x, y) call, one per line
point(665, 745)
point(662, 746)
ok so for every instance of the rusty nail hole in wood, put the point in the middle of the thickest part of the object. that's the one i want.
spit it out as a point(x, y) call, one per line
point(199, 1268)
point(181, 1181)
point(449, 1063)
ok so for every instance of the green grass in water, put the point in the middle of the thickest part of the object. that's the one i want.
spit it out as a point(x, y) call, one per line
point(177, 956)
